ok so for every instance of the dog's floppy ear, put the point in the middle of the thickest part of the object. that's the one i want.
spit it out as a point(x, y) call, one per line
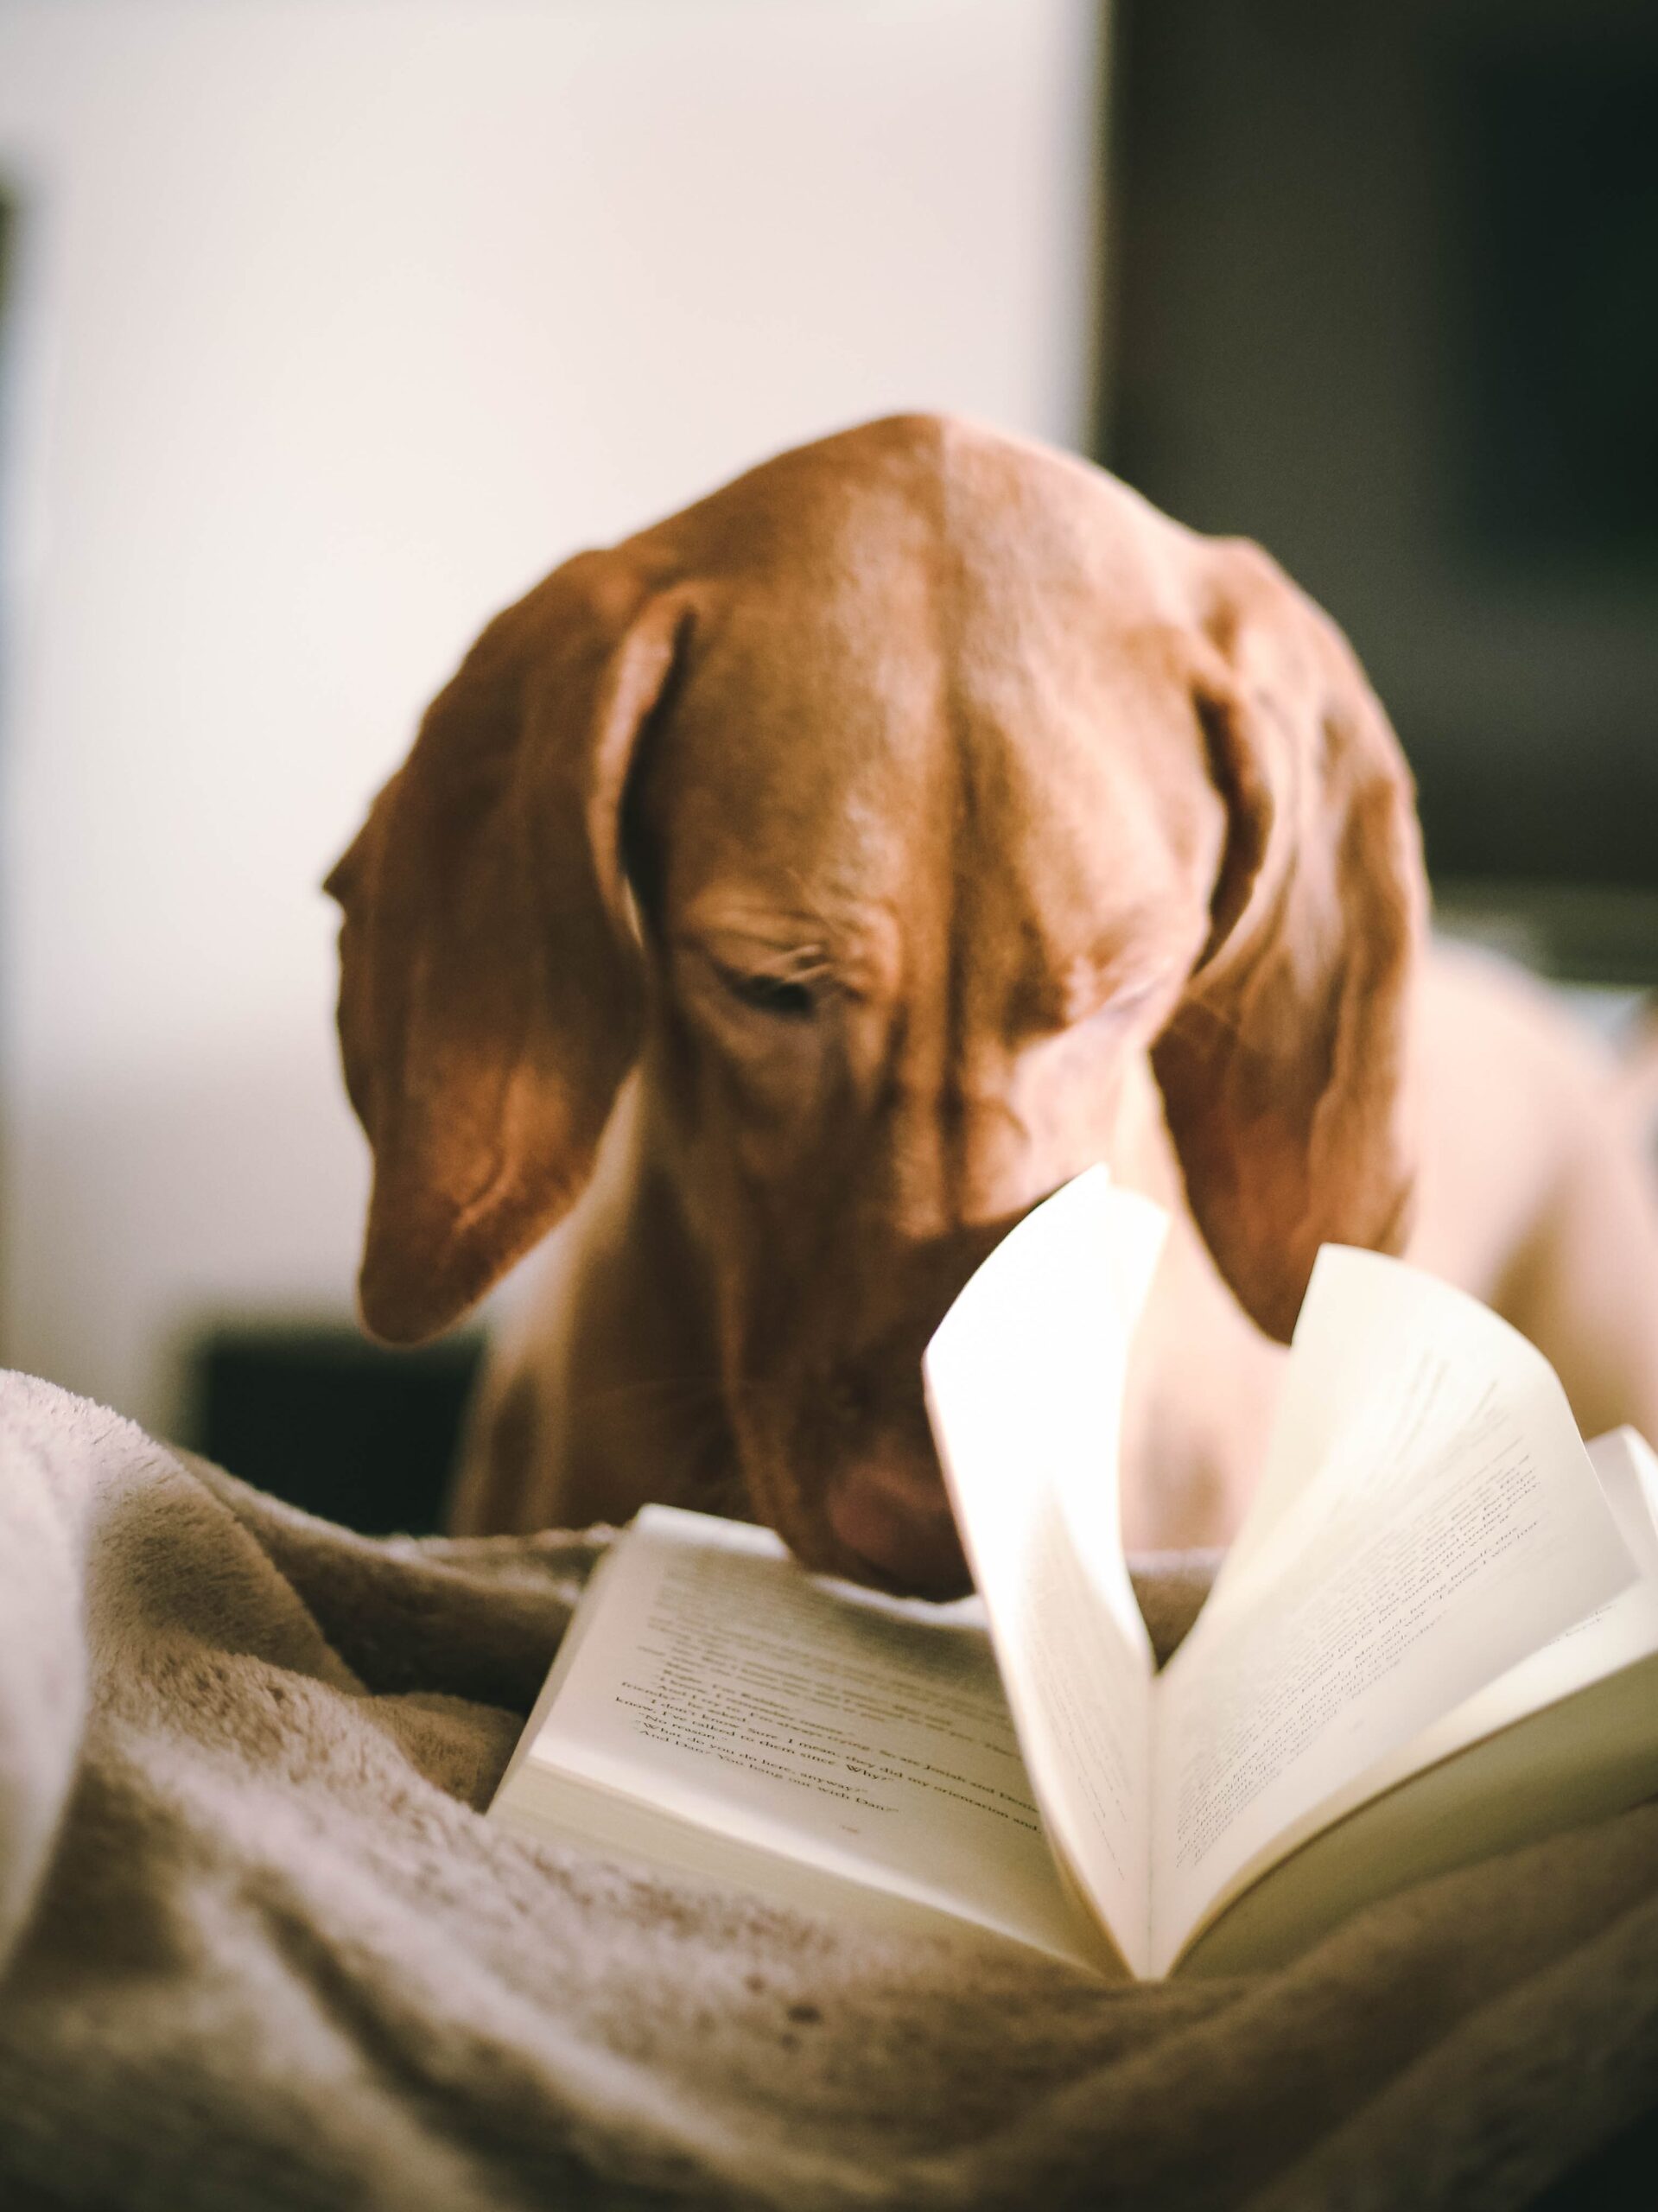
point(490, 991)
point(1284, 1069)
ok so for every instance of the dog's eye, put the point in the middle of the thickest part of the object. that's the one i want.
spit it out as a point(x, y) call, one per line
point(783, 997)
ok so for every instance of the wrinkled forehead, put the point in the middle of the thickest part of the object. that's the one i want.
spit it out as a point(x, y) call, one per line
point(911, 752)
point(801, 731)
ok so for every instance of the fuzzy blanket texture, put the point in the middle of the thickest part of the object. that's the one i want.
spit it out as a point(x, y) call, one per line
point(258, 1948)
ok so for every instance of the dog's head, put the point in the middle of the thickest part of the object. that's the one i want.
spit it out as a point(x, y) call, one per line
point(884, 810)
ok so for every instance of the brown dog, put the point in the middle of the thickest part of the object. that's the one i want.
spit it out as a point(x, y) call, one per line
point(788, 899)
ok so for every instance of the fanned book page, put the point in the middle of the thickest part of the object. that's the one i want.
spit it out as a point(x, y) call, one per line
point(1025, 1385)
point(1428, 1517)
point(1570, 1734)
point(1433, 1520)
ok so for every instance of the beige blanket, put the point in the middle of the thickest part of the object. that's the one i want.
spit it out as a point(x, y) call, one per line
point(258, 1947)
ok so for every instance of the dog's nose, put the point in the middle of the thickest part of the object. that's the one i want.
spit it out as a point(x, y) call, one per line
point(893, 1516)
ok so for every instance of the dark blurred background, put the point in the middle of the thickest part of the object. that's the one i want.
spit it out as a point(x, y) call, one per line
point(1385, 297)
point(324, 330)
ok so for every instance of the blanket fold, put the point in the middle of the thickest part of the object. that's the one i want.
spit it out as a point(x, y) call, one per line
point(259, 1948)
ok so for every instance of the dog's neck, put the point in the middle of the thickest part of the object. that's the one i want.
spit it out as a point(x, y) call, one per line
point(616, 1319)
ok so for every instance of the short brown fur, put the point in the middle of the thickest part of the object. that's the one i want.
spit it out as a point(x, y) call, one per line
point(786, 899)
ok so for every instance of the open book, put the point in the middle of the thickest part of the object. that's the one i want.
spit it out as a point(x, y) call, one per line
point(1436, 1636)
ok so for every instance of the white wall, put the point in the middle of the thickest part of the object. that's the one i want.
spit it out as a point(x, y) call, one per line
point(340, 322)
